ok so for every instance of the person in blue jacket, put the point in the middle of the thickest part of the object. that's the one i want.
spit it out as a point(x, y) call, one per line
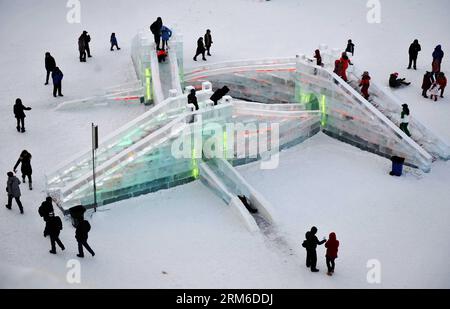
point(57, 77)
point(166, 34)
point(113, 41)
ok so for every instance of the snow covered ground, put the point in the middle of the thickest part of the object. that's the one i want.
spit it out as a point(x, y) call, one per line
point(187, 232)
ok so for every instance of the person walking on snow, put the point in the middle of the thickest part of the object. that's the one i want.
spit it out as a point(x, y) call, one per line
point(350, 47)
point(395, 82)
point(19, 113)
point(208, 41)
point(13, 190)
point(113, 42)
point(27, 171)
point(200, 50)
point(155, 28)
point(365, 84)
point(405, 120)
point(442, 81)
point(45, 210)
point(438, 55)
point(414, 50)
point(310, 244)
point(50, 65)
point(82, 48)
point(57, 77)
point(54, 227)
point(332, 246)
point(428, 80)
point(82, 235)
point(166, 34)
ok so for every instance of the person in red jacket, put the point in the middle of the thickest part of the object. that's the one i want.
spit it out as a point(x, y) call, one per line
point(442, 82)
point(332, 246)
point(345, 62)
point(365, 84)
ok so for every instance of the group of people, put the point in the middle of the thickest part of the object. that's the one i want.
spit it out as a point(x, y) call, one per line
point(54, 226)
point(13, 183)
point(310, 244)
point(204, 46)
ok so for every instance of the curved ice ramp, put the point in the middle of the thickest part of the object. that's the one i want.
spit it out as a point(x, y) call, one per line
point(223, 179)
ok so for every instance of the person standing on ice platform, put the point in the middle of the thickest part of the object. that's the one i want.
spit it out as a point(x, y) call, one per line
point(310, 244)
point(54, 227)
point(405, 120)
point(27, 171)
point(57, 77)
point(414, 50)
point(50, 65)
point(200, 50)
point(208, 42)
point(192, 99)
point(219, 94)
point(20, 115)
point(350, 47)
point(155, 28)
point(81, 235)
point(13, 190)
point(332, 246)
point(45, 210)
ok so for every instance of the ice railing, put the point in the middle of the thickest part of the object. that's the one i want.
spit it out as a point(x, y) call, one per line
point(124, 137)
point(125, 170)
point(344, 99)
point(240, 66)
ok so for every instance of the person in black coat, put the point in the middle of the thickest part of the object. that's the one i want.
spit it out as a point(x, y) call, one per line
point(208, 41)
point(200, 50)
point(310, 244)
point(19, 113)
point(54, 227)
point(81, 235)
point(27, 171)
point(87, 39)
point(192, 99)
point(414, 50)
point(219, 94)
point(155, 28)
point(350, 47)
point(57, 77)
point(45, 210)
point(50, 65)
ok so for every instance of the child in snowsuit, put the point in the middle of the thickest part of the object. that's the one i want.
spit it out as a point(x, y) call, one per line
point(345, 63)
point(113, 41)
point(434, 91)
point(365, 84)
point(332, 246)
point(166, 34)
point(27, 171)
point(162, 55)
point(395, 82)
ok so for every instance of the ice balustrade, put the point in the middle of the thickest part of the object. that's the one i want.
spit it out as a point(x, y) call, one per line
point(123, 138)
point(346, 115)
point(146, 167)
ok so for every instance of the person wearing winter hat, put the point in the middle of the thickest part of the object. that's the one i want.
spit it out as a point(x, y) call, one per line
point(395, 82)
point(332, 246)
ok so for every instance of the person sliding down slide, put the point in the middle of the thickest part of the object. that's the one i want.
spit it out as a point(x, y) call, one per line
point(395, 82)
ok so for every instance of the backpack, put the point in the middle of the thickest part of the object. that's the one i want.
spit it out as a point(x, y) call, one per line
point(305, 244)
